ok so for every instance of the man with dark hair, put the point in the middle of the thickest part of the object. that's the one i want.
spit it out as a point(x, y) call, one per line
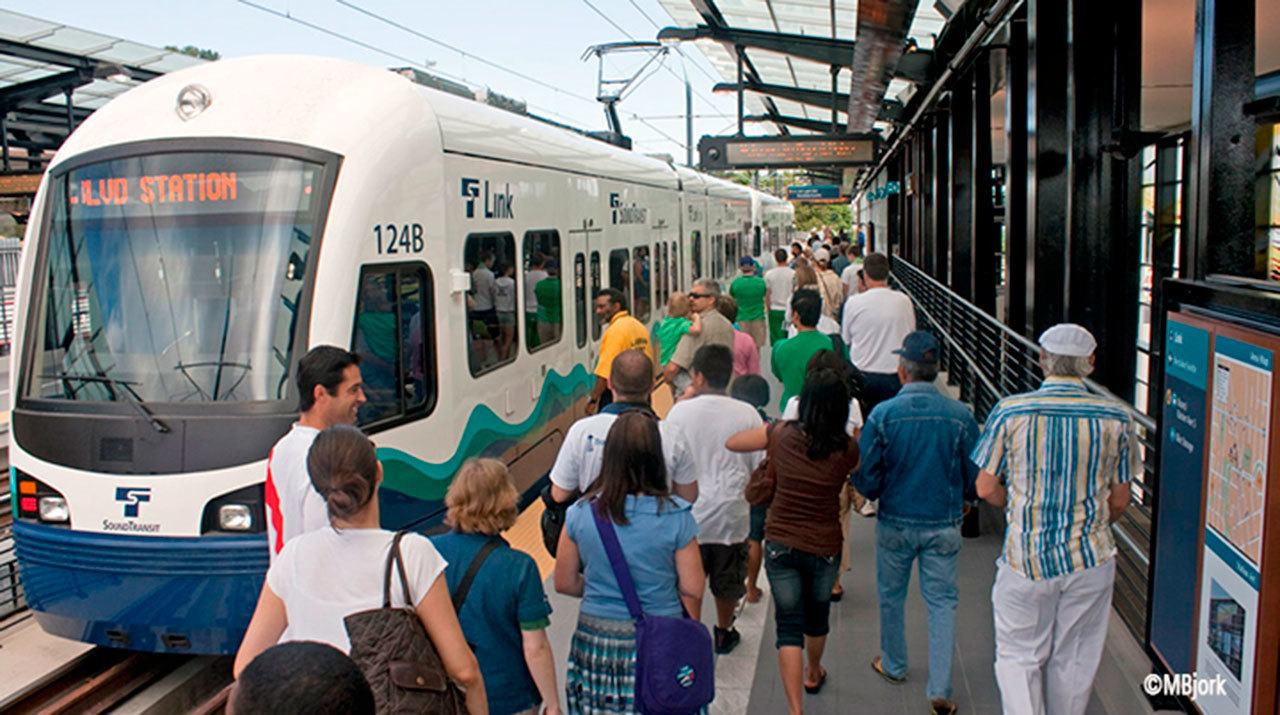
point(874, 324)
point(330, 392)
point(707, 420)
point(578, 463)
point(622, 332)
point(301, 678)
point(791, 356)
point(915, 459)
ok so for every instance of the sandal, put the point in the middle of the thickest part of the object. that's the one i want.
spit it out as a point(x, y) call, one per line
point(943, 707)
point(878, 666)
point(837, 593)
point(813, 689)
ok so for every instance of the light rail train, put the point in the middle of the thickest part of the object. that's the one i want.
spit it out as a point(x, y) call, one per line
point(197, 234)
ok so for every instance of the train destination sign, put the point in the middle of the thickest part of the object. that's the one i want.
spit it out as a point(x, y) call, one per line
point(192, 187)
point(791, 151)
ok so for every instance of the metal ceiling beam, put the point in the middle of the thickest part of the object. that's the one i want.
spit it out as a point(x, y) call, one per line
point(37, 90)
point(713, 18)
point(816, 125)
point(52, 112)
point(811, 97)
point(817, 49)
point(67, 59)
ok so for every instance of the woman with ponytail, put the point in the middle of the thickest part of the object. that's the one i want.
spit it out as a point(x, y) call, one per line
point(322, 576)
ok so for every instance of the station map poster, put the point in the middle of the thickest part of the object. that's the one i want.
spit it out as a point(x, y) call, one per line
point(1177, 542)
point(1235, 503)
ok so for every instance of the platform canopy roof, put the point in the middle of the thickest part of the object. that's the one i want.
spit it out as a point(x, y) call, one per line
point(878, 50)
point(53, 75)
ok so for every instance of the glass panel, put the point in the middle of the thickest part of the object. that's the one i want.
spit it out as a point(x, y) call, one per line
point(580, 299)
point(391, 335)
point(675, 269)
point(640, 283)
point(491, 328)
point(697, 258)
point(595, 288)
point(620, 273)
point(174, 278)
point(543, 302)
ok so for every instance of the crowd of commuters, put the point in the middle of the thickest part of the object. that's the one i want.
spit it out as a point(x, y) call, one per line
point(704, 499)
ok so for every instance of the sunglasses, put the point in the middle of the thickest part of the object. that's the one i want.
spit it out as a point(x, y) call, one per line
point(700, 295)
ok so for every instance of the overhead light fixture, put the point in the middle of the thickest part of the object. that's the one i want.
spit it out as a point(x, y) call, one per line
point(112, 72)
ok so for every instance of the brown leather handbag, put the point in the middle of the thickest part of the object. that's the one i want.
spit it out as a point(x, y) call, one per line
point(763, 481)
point(392, 648)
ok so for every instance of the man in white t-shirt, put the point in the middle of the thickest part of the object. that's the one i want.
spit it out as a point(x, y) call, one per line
point(578, 464)
point(874, 324)
point(779, 282)
point(330, 392)
point(723, 515)
point(850, 273)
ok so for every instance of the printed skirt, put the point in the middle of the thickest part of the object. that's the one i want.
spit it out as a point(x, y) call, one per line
point(602, 667)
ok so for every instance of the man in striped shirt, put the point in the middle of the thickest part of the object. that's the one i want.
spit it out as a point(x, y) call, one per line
point(1059, 461)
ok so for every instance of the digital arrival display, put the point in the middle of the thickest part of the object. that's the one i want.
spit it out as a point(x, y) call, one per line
point(782, 152)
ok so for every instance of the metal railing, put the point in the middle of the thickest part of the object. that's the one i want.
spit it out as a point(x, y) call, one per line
point(988, 361)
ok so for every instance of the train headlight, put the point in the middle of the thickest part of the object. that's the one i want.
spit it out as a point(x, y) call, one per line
point(54, 510)
point(235, 517)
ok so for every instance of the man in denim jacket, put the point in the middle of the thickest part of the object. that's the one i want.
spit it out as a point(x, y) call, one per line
point(915, 460)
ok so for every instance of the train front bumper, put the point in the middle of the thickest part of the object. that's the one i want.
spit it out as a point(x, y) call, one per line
point(157, 594)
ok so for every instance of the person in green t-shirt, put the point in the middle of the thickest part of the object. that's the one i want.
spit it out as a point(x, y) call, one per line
point(680, 321)
point(548, 293)
point(791, 356)
point(749, 290)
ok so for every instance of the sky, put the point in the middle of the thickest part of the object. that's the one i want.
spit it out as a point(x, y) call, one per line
point(543, 40)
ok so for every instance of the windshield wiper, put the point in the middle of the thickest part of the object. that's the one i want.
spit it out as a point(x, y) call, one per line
point(127, 389)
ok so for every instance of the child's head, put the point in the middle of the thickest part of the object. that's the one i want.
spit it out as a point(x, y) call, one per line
point(751, 389)
point(481, 499)
point(678, 305)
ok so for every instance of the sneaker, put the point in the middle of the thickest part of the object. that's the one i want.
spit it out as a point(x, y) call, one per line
point(868, 508)
point(726, 639)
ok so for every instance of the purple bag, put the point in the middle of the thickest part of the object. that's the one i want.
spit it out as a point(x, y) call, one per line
point(675, 663)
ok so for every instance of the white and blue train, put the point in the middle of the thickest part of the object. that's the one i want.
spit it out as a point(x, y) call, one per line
point(197, 234)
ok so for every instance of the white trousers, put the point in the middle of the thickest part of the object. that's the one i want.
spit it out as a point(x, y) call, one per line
point(1049, 638)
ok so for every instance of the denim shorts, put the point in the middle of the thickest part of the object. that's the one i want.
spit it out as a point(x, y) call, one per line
point(801, 583)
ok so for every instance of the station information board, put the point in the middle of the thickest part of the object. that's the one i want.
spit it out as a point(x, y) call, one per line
point(1219, 476)
point(789, 151)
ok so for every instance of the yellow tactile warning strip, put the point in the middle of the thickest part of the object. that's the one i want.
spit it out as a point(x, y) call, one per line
point(526, 536)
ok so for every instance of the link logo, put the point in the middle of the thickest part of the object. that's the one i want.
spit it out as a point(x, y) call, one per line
point(626, 214)
point(496, 204)
point(132, 498)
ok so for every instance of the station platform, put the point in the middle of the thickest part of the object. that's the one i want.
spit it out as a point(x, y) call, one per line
point(747, 679)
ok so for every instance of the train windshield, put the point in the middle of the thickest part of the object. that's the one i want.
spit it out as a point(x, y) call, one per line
point(173, 278)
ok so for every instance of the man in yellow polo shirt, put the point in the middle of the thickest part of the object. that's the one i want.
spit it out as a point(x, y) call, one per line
point(622, 332)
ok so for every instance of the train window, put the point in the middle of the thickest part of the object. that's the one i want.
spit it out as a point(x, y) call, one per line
point(662, 277)
point(676, 250)
point(756, 247)
point(595, 288)
point(641, 282)
point(580, 299)
point(717, 255)
point(392, 335)
point(620, 274)
point(490, 258)
point(696, 238)
point(543, 301)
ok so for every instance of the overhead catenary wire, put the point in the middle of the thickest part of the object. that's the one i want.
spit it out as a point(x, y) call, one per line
point(384, 52)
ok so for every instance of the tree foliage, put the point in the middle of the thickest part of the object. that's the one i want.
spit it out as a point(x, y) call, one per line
point(811, 216)
point(193, 51)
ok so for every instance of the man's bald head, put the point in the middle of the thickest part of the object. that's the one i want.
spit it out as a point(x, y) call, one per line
point(631, 376)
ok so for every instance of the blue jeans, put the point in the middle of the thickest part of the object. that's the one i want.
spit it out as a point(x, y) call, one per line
point(801, 583)
point(938, 550)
